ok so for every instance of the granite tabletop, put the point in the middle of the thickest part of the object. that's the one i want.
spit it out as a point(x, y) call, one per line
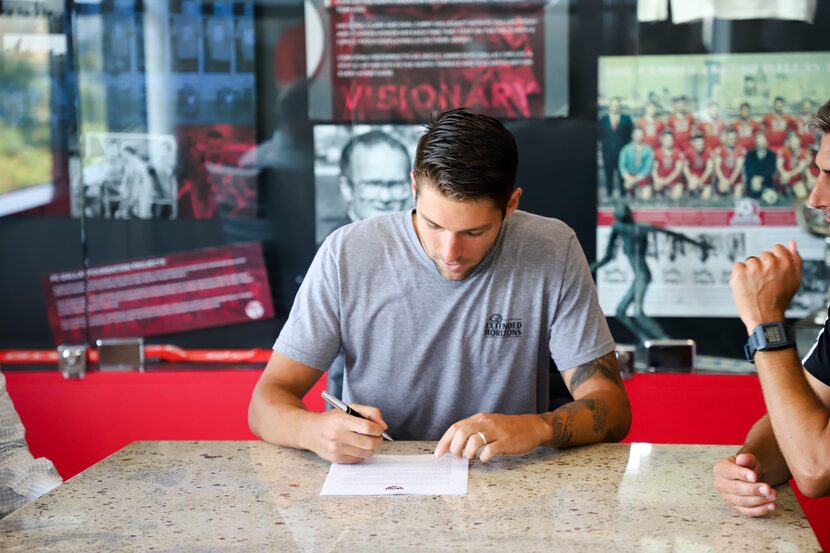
point(252, 496)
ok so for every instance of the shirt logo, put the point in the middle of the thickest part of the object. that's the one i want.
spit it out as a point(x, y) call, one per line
point(499, 327)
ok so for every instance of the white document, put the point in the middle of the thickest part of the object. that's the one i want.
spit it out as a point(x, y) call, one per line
point(399, 475)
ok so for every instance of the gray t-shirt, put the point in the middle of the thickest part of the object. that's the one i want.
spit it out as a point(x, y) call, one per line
point(428, 351)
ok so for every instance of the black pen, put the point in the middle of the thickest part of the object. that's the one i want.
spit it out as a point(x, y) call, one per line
point(334, 402)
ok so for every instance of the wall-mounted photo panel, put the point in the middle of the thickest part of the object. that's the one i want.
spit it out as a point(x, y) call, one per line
point(702, 160)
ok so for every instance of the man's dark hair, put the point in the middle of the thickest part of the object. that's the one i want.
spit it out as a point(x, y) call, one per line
point(467, 156)
point(821, 120)
point(371, 138)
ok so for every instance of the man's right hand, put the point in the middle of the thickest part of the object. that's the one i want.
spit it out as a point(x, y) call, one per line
point(341, 438)
point(736, 479)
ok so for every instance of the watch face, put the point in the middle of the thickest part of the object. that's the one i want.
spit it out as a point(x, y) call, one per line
point(774, 335)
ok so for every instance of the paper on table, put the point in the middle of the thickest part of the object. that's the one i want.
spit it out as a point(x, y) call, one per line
point(399, 475)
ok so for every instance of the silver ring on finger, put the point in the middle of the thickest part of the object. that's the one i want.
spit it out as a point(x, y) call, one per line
point(483, 438)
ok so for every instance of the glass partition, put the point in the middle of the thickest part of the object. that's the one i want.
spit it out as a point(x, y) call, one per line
point(169, 167)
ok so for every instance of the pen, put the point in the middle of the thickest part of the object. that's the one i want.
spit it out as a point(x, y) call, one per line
point(334, 402)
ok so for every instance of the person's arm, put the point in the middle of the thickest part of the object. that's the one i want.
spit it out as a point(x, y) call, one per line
point(609, 251)
point(22, 477)
point(648, 164)
point(622, 165)
point(718, 168)
point(600, 412)
point(678, 166)
point(707, 171)
point(763, 287)
point(277, 415)
point(745, 480)
point(783, 173)
point(655, 177)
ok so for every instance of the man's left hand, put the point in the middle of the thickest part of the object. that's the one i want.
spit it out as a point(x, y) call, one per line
point(504, 434)
point(764, 285)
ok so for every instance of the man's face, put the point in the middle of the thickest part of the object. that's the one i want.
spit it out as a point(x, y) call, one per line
point(614, 106)
point(778, 106)
point(379, 181)
point(761, 141)
point(744, 111)
point(651, 109)
point(458, 235)
point(793, 142)
point(637, 135)
point(820, 196)
point(731, 139)
point(698, 143)
point(714, 111)
point(667, 141)
point(806, 107)
point(680, 106)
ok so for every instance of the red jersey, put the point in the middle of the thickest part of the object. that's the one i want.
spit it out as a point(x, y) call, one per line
point(666, 162)
point(697, 162)
point(729, 161)
point(746, 132)
point(681, 127)
point(805, 133)
point(711, 132)
point(652, 128)
point(776, 127)
point(792, 159)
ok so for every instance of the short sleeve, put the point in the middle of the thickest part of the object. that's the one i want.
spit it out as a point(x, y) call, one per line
point(817, 360)
point(311, 335)
point(579, 332)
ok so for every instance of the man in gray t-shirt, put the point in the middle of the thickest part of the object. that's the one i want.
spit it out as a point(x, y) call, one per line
point(448, 316)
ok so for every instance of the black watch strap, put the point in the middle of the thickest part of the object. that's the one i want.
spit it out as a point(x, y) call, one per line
point(767, 337)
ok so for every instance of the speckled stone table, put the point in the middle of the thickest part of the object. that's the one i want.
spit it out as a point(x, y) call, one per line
point(251, 496)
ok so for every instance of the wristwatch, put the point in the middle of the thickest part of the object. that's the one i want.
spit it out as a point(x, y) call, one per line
point(767, 337)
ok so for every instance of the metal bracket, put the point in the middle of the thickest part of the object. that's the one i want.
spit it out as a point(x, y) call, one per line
point(626, 355)
point(72, 360)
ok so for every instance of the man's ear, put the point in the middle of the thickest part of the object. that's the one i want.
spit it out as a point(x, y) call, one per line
point(346, 189)
point(513, 202)
point(414, 185)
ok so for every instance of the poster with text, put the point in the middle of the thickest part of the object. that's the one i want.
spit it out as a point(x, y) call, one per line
point(389, 60)
point(702, 162)
point(159, 295)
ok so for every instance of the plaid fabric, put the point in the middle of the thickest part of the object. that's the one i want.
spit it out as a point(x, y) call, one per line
point(22, 477)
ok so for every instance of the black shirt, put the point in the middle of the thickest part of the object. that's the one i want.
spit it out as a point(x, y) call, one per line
point(817, 360)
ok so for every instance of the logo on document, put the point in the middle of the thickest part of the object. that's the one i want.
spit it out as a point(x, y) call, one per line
point(394, 488)
point(500, 327)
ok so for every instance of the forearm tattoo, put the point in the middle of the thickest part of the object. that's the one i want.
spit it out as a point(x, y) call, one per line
point(606, 366)
point(562, 420)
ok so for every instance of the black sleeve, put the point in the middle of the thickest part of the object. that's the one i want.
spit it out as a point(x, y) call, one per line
point(817, 360)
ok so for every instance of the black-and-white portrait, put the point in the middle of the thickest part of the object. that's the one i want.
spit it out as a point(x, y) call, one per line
point(361, 171)
point(126, 176)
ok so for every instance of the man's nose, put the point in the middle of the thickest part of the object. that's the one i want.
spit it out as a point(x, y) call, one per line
point(452, 248)
point(820, 195)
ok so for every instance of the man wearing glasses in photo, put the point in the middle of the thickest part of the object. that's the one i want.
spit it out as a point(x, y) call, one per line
point(374, 176)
